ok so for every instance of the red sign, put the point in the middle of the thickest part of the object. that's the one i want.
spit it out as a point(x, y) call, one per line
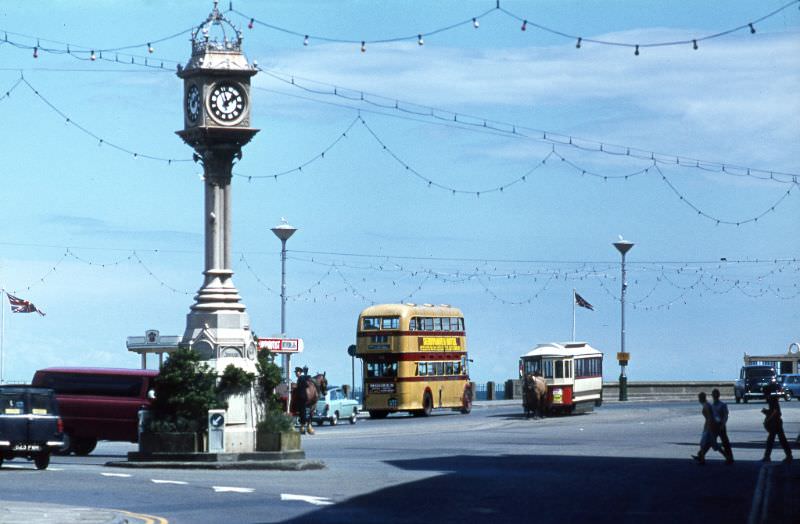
point(281, 345)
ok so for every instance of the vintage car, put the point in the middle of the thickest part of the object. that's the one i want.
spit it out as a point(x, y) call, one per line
point(752, 381)
point(790, 384)
point(333, 406)
point(29, 424)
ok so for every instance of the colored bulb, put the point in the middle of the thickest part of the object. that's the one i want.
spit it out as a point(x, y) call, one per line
point(578, 44)
point(250, 23)
point(305, 40)
point(93, 57)
point(524, 25)
point(363, 47)
point(420, 41)
point(35, 52)
point(150, 48)
point(475, 23)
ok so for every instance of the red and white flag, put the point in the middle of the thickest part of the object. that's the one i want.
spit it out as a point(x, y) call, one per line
point(19, 305)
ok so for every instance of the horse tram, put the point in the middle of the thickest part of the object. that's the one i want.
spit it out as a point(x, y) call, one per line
point(561, 378)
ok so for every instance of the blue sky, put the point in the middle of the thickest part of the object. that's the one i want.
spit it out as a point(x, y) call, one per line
point(109, 244)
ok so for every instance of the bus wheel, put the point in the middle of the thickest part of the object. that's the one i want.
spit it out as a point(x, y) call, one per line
point(378, 414)
point(466, 403)
point(427, 405)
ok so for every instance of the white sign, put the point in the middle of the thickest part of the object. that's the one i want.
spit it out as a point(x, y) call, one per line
point(281, 345)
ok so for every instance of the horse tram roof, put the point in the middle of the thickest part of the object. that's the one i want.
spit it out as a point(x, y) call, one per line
point(563, 349)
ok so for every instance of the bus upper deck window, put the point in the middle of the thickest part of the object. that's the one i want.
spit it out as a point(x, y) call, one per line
point(446, 324)
point(390, 322)
point(437, 324)
point(427, 324)
point(559, 369)
point(371, 323)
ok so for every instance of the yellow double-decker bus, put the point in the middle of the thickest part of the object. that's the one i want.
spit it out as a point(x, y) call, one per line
point(414, 359)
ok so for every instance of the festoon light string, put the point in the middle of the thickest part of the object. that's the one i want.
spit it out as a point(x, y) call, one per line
point(485, 271)
point(416, 173)
point(543, 135)
point(308, 37)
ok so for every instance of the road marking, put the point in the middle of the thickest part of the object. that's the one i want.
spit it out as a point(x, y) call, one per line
point(229, 489)
point(116, 475)
point(311, 499)
point(178, 482)
point(146, 519)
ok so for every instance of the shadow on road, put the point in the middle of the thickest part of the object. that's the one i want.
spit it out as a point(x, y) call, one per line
point(557, 489)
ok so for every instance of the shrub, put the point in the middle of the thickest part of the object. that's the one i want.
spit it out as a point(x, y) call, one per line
point(185, 391)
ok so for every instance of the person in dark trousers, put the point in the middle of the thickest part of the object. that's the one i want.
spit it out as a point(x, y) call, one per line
point(709, 437)
point(719, 410)
point(773, 423)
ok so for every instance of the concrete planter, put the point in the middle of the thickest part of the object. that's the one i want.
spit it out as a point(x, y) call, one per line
point(168, 442)
point(271, 441)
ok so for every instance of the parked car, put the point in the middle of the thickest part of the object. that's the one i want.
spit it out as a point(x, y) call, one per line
point(29, 424)
point(752, 381)
point(790, 384)
point(334, 406)
point(98, 403)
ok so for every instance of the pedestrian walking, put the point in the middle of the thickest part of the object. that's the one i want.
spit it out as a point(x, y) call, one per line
point(773, 423)
point(708, 439)
point(719, 410)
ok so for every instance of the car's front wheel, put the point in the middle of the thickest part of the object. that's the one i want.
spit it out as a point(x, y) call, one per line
point(353, 416)
point(334, 418)
point(788, 395)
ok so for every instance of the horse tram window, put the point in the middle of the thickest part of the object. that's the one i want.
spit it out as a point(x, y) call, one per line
point(561, 378)
point(414, 359)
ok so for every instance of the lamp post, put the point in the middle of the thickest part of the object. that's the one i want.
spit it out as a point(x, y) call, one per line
point(283, 231)
point(623, 246)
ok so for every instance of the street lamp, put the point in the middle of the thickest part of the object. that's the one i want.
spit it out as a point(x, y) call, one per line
point(623, 246)
point(283, 231)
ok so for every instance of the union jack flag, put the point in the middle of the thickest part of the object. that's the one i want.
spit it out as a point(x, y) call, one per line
point(582, 302)
point(19, 305)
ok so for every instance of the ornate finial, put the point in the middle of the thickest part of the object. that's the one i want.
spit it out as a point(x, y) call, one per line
point(228, 37)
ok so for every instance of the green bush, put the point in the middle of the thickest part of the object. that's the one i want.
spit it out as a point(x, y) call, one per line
point(185, 391)
point(276, 421)
point(234, 380)
point(269, 376)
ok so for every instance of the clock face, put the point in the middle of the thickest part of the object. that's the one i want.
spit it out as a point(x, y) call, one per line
point(226, 102)
point(193, 103)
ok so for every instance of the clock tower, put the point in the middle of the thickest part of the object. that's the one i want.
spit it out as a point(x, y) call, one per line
point(216, 124)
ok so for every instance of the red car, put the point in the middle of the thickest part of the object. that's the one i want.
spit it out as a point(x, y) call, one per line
point(98, 403)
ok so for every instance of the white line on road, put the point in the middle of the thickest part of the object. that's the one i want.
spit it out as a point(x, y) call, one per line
point(228, 489)
point(178, 482)
point(311, 499)
point(126, 475)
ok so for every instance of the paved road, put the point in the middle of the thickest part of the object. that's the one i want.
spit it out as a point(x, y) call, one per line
point(623, 463)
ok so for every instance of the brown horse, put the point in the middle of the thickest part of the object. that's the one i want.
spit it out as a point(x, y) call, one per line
point(304, 398)
point(534, 397)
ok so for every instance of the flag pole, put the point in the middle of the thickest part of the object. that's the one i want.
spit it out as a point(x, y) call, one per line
point(573, 314)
